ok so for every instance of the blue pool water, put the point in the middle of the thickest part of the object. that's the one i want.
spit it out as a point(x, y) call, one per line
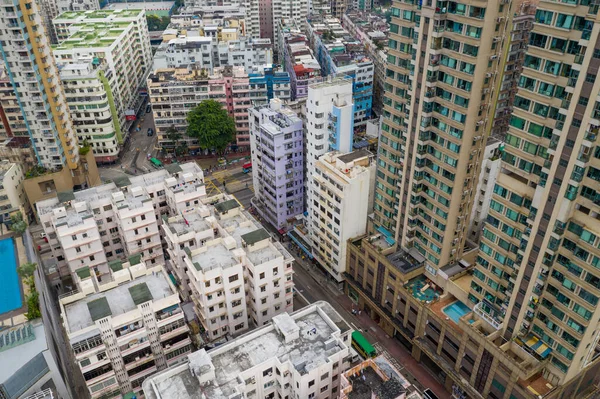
point(10, 293)
point(456, 310)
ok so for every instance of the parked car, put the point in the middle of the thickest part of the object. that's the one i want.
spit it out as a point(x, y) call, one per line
point(148, 108)
point(150, 131)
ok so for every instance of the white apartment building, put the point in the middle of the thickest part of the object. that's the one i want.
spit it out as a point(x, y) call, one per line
point(490, 169)
point(12, 195)
point(90, 228)
point(297, 355)
point(262, 16)
point(227, 263)
point(208, 52)
point(329, 124)
point(124, 327)
point(342, 198)
point(118, 37)
point(89, 94)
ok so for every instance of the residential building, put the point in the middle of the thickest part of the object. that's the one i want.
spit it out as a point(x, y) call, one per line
point(377, 378)
point(89, 91)
point(490, 168)
point(266, 83)
point(373, 31)
point(12, 119)
point(228, 265)
point(18, 150)
point(231, 86)
point(297, 58)
point(424, 195)
point(329, 125)
point(262, 16)
point(342, 198)
point(120, 39)
point(192, 48)
point(88, 229)
point(29, 362)
point(302, 354)
point(226, 16)
point(125, 327)
point(36, 107)
point(277, 149)
point(12, 194)
point(213, 3)
point(340, 54)
point(545, 206)
point(362, 5)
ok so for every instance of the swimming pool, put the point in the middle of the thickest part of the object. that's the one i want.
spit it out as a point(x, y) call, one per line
point(10, 293)
point(456, 310)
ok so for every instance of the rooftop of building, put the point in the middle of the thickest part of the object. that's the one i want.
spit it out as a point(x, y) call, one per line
point(354, 155)
point(316, 325)
point(116, 301)
point(94, 35)
point(215, 256)
point(190, 222)
point(344, 49)
point(19, 345)
point(93, 15)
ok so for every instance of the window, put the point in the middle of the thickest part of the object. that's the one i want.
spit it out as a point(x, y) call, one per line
point(262, 275)
point(233, 278)
point(311, 383)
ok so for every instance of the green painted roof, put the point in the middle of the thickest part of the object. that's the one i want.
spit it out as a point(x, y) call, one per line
point(228, 205)
point(140, 293)
point(65, 196)
point(115, 265)
point(255, 236)
point(135, 259)
point(99, 308)
point(122, 181)
point(173, 168)
point(83, 273)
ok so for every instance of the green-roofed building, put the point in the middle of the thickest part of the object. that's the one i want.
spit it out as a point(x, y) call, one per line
point(255, 236)
point(226, 206)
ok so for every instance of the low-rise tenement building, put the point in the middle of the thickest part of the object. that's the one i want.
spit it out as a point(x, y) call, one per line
point(118, 37)
point(277, 149)
point(372, 30)
point(339, 53)
point(341, 199)
point(12, 194)
point(201, 48)
point(29, 362)
point(90, 93)
point(297, 58)
point(193, 16)
point(229, 266)
point(91, 228)
point(377, 378)
point(124, 327)
point(233, 87)
point(297, 355)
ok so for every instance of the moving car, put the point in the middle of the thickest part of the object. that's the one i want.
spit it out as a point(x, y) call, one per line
point(150, 131)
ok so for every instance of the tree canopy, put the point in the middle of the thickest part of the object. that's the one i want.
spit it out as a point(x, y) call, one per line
point(26, 269)
point(17, 224)
point(210, 124)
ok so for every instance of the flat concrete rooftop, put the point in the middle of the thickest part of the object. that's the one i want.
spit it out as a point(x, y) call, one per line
point(263, 255)
point(119, 300)
point(230, 360)
point(195, 223)
point(216, 256)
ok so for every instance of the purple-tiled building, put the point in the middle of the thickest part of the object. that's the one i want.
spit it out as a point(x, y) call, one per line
point(276, 140)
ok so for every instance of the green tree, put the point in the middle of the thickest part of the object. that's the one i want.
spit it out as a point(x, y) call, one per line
point(17, 224)
point(26, 269)
point(210, 124)
point(33, 305)
point(173, 136)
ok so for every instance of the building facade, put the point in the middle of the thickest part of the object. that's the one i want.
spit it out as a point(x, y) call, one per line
point(277, 148)
point(38, 99)
point(12, 194)
point(125, 327)
point(89, 90)
point(207, 52)
point(433, 140)
point(341, 200)
point(340, 54)
point(120, 39)
point(302, 354)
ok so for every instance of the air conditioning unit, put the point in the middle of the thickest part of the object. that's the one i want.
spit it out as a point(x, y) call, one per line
point(497, 38)
point(499, 19)
point(493, 57)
